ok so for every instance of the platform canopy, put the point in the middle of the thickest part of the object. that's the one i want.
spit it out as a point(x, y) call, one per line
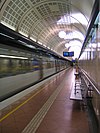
point(59, 25)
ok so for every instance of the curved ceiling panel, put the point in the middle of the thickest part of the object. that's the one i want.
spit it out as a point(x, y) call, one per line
point(43, 20)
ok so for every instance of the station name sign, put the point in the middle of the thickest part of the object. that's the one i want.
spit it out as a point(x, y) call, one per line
point(68, 54)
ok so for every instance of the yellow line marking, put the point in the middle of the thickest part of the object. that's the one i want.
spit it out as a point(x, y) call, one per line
point(20, 106)
point(4, 117)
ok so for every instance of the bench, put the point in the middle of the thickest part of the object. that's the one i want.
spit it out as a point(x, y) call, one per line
point(80, 89)
point(76, 92)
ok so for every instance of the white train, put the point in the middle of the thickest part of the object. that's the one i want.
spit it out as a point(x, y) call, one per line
point(20, 68)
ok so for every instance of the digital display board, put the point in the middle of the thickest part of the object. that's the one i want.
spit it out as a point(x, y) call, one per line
point(68, 54)
point(65, 54)
point(71, 54)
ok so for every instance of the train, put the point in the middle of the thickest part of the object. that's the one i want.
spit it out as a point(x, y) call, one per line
point(22, 67)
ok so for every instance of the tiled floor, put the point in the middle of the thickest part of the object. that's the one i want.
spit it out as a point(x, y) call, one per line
point(64, 116)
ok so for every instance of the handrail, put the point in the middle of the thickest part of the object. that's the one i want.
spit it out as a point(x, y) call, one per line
point(90, 82)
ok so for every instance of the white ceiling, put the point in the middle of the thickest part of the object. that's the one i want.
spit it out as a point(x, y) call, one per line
point(42, 20)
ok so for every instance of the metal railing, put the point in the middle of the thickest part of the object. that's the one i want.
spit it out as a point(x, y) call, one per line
point(89, 82)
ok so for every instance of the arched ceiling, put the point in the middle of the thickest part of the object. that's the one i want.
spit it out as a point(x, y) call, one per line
point(43, 20)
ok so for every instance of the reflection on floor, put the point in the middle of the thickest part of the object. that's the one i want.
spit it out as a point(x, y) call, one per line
point(47, 110)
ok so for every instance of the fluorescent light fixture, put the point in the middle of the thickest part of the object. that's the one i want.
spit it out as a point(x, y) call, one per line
point(23, 33)
point(33, 39)
point(11, 27)
point(14, 57)
point(31, 46)
point(40, 42)
point(48, 47)
point(24, 43)
point(7, 36)
point(44, 45)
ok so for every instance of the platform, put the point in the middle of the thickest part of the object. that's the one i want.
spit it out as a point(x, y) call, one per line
point(47, 110)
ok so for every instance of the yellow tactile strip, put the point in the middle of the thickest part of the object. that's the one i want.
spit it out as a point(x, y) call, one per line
point(51, 85)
